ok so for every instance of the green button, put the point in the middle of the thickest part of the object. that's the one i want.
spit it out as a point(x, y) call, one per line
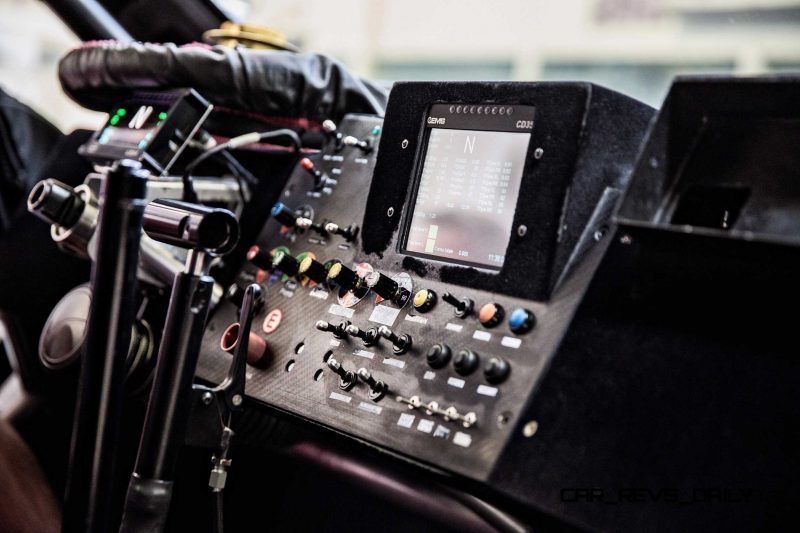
point(376, 130)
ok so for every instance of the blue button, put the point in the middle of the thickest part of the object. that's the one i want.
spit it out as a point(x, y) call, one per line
point(277, 208)
point(521, 320)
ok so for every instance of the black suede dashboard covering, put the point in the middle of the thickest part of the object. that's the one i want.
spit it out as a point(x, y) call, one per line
point(588, 138)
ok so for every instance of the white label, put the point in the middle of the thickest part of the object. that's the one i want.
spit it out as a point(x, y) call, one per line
point(370, 407)
point(406, 420)
point(453, 327)
point(429, 375)
point(511, 342)
point(364, 353)
point(360, 160)
point(286, 293)
point(482, 335)
point(336, 171)
point(462, 439)
point(441, 432)
point(322, 294)
point(340, 397)
point(417, 319)
point(425, 425)
point(383, 314)
point(394, 362)
point(455, 382)
point(487, 391)
point(248, 375)
point(338, 310)
point(335, 343)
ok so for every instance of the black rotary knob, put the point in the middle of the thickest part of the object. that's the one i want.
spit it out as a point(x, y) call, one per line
point(312, 269)
point(496, 370)
point(283, 214)
point(438, 355)
point(343, 276)
point(465, 362)
point(383, 285)
point(285, 263)
point(259, 257)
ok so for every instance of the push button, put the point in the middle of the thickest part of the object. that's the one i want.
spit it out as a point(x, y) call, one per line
point(424, 300)
point(521, 321)
point(491, 315)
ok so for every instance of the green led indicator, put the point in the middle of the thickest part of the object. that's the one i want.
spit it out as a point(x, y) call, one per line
point(114, 120)
point(121, 111)
point(376, 130)
point(162, 115)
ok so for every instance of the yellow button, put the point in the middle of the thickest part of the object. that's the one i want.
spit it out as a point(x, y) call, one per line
point(420, 297)
point(305, 263)
point(334, 270)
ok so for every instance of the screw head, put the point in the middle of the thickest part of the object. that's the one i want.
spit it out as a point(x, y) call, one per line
point(390, 212)
point(538, 153)
point(522, 230)
point(207, 398)
point(404, 144)
point(237, 400)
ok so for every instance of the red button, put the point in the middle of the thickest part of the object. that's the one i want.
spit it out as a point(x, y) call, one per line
point(272, 321)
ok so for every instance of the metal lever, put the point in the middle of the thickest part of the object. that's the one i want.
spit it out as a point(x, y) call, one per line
point(216, 404)
point(232, 387)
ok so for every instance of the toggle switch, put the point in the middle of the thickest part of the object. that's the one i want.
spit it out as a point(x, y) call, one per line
point(347, 378)
point(365, 145)
point(400, 344)
point(340, 331)
point(463, 307)
point(312, 269)
point(330, 128)
point(377, 388)
point(369, 337)
point(306, 223)
point(349, 233)
point(309, 166)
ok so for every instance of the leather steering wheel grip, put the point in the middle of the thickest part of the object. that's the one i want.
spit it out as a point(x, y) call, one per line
point(273, 83)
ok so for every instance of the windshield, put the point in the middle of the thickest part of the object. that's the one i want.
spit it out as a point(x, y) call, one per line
point(633, 46)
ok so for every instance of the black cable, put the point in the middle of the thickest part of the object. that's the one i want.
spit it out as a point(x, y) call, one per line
point(217, 524)
point(238, 177)
point(250, 138)
point(238, 167)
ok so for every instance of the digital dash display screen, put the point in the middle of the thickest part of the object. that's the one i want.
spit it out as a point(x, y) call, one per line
point(133, 128)
point(466, 192)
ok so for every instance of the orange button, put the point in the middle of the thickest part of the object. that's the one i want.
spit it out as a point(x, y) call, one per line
point(487, 312)
point(491, 314)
